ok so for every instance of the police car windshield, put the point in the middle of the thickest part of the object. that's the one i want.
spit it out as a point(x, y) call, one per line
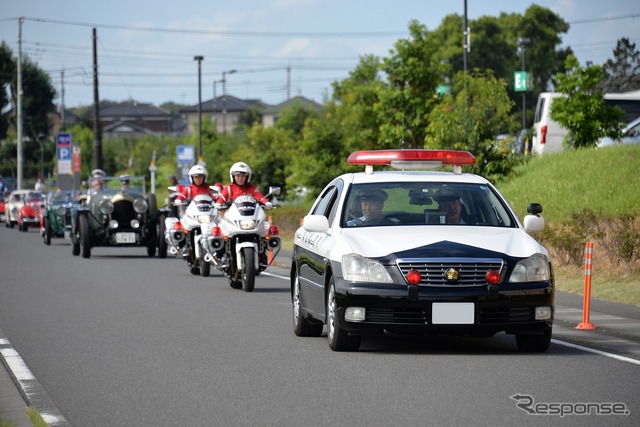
point(424, 203)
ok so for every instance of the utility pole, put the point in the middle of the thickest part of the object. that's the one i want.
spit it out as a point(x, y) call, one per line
point(467, 38)
point(62, 124)
point(19, 118)
point(97, 133)
point(199, 58)
point(288, 82)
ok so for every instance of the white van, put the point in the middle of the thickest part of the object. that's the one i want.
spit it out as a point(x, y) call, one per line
point(548, 135)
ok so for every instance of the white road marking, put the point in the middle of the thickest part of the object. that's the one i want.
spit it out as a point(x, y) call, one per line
point(599, 352)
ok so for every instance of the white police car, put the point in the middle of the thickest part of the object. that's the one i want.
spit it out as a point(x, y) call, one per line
point(419, 252)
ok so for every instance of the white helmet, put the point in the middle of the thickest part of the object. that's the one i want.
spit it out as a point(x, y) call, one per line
point(240, 167)
point(197, 170)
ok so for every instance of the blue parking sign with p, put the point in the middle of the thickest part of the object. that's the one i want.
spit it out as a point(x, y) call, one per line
point(64, 153)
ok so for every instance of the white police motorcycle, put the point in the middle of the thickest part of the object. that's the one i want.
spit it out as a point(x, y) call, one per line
point(184, 235)
point(241, 243)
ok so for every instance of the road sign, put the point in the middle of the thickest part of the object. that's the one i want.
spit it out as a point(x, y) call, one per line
point(521, 81)
point(186, 154)
point(63, 151)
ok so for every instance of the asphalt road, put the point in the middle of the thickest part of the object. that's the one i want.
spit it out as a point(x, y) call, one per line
point(122, 339)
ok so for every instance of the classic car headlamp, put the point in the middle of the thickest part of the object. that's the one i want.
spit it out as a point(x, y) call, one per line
point(247, 224)
point(113, 224)
point(61, 210)
point(356, 268)
point(532, 269)
point(135, 223)
point(106, 206)
point(140, 205)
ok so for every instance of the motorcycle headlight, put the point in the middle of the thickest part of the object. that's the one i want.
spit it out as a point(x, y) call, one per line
point(204, 218)
point(533, 269)
point(356, 268)
point(61, 210)
point(140, 205)
point(106, 206)
point(247, 224)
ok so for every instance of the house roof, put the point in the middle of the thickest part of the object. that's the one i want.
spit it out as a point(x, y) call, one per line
point(133, 109)
point(295, 101)
point(125, 127)
point(232, 104)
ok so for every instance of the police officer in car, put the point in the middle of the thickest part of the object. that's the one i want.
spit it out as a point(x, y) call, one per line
point(372, 203)
point(449, 202)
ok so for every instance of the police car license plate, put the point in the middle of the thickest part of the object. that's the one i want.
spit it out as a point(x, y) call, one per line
point(452, 313)
point(125, 237)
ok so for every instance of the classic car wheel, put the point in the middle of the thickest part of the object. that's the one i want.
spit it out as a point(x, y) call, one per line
point(75, 243)
point(85, 236)
point(339, 339)
point(153, 204)
point(534, 343)
point(162, 242)
point(248, 269)
point(47, 232)
point(301, 326)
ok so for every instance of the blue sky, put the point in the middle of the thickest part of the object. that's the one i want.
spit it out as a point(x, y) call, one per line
point(319, 41)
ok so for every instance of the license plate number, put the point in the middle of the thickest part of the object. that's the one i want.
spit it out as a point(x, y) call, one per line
point(125, 237)
point(452, 313)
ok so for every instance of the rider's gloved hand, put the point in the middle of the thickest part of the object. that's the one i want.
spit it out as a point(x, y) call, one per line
point(220, 206)
point(268, 205)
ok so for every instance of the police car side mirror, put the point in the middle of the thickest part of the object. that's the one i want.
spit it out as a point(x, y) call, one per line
point(316, 223)
point(533, 223)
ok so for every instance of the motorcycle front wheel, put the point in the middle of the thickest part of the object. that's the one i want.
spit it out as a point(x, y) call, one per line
point(248, 269)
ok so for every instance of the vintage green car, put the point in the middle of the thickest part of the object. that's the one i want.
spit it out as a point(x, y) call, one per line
point(61, 206)
point(118, 213)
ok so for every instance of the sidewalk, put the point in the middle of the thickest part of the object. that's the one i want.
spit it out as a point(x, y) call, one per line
point(616, 324)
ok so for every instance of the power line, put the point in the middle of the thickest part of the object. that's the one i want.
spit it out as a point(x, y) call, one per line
point(277, 34)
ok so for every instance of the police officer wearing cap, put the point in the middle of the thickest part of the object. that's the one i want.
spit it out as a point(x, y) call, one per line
point(449, 202)
point(372, 203)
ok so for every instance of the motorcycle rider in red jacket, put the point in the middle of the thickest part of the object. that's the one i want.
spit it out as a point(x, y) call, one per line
point(198, 177)
point(240, 175)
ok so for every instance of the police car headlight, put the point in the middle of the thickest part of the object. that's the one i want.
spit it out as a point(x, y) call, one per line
point(356, 268)
point(533, 269)
point(140, 205)
point(247, 224)
point(106, 206)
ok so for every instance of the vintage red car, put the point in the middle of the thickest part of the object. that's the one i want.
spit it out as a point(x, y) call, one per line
point(29, 213)
point(2, 208)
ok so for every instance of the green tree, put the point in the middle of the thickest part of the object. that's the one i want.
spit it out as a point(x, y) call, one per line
point(583, 111)
point(469, 120)
point(413, 72)
point(625, 62)
point(7, 75)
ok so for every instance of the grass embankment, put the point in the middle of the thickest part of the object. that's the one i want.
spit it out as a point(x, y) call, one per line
point(604, 181)
point(568, 184)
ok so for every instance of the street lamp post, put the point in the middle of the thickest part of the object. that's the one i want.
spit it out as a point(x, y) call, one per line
point(199, 58)
point(224, 99)
point(522, 42)
point(41, 137)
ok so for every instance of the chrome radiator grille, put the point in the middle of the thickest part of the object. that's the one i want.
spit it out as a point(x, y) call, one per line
point(434, 271)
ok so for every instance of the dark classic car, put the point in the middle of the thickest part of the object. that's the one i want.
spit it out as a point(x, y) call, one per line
point(56, 216)
point(118, 215)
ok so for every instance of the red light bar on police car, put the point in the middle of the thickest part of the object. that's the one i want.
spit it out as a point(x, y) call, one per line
point(411, 159)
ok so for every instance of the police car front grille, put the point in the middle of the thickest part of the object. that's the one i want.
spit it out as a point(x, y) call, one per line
point(470, 271)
